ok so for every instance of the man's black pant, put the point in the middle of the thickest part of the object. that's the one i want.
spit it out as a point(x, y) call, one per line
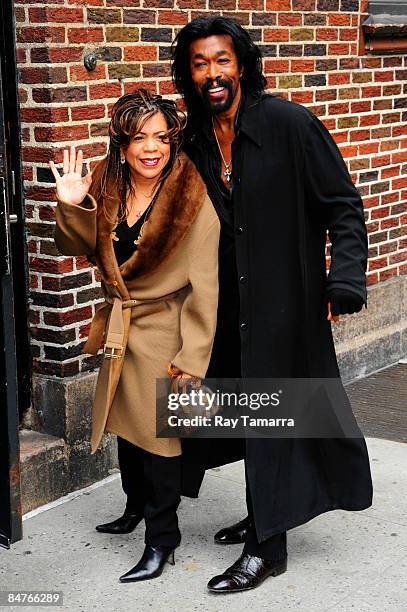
point(274, 548)
point(152, 484)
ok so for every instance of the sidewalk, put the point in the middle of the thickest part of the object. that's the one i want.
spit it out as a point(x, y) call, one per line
point(340, 561)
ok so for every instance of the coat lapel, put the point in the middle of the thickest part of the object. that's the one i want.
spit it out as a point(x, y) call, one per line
point(175, 209)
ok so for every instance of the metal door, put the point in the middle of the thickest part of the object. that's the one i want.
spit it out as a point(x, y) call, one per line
point(15, 371)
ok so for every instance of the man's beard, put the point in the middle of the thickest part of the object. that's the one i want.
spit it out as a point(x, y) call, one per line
point(217, 107)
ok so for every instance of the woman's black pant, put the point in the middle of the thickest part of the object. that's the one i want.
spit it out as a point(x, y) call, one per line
point(152, 484)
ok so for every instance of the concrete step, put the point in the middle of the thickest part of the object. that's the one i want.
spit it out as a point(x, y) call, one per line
point(51, 468)
point(43, 469)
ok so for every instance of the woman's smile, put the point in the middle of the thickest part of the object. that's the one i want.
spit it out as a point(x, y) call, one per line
point(150, 162)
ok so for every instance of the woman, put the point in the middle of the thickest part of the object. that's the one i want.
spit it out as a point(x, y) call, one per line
point(144, 217)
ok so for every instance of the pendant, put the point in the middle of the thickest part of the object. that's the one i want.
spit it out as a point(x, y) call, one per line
point(228, 174)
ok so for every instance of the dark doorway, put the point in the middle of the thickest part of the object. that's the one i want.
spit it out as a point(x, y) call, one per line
point(15, 371)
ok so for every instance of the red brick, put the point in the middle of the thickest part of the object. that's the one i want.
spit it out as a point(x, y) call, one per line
point(149, 85)
point(105, 90)
point(327, 34)
point(399, 183)
point(383, 160)
point(36, 154)
point(387, 223)
point(302, 65)
point(87, 2)
point(223, 4)
point(60, 319)
point(81, 263)
point(399, 130)
point(398, 257)
point(55, 15)
point(338, 49)
point(276, 65)
point(369, 148)
point(61, 134)
point(338, 109)
point(381, 76)
point(166, 88)
point(399, 157)
point(357, 135)
point(348, 34)
point(380, 213)
point(46, 34)
point(276, 34)
point(44, 115)
point(35, 192)
point(173, 17)
point(386, 274)
point(301, 97)
point(27, 175)
point(278, 5)
point(338, 78)
point(349, 151)
point(360, 107)
point(140, 54)
point(56, 54)
point(251, 5)
point(85, 35)
point(52, 266)
point(290, 19)
point(46, 74)
point(375, 264)
point(80, 113)
point(21, 56)
point(369, 120)
point(80, 73)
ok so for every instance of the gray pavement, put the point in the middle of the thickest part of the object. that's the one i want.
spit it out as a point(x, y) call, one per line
point(340, 561)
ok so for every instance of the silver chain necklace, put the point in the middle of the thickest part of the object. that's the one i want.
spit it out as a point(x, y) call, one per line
point(227, 172)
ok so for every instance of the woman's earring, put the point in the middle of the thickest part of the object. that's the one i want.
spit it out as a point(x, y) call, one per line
point(122, 160)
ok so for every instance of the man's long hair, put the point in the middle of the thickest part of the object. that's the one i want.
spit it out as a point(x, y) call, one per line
point(248, 56)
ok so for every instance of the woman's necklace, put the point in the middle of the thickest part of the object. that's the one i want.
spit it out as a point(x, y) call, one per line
point(140, 211)
point(227, 172)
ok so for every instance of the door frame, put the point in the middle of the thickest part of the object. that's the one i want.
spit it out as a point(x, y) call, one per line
point(15, 359)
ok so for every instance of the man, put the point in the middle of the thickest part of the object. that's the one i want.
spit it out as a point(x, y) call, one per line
point(278, 182)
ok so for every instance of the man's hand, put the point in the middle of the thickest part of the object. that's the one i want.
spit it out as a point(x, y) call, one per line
point(342, 302)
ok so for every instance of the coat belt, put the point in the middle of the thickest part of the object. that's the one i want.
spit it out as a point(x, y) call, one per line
point(108, 323)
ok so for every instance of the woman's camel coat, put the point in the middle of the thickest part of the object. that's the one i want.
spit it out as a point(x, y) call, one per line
point(176, 267)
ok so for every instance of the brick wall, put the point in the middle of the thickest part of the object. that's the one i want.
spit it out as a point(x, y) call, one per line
point(313, 54)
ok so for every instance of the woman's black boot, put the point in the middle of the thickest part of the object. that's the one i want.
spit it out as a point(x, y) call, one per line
point(125, 524)
point(151, 564)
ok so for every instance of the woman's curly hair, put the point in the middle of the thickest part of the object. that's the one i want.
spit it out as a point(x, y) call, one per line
point(248, 56)
point(129, 115)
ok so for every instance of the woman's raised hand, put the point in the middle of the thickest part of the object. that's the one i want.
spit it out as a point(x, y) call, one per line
point(71, 187)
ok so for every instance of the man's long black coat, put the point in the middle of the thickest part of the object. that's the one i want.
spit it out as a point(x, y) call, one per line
point(290, 185)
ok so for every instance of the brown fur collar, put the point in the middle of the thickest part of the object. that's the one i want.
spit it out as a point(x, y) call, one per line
point(175, 209)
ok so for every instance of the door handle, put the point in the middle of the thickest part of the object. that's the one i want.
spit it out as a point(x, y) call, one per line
point(4, 230)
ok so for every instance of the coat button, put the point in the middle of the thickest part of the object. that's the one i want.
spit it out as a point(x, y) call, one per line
point(243, 278)
point(239, 230)
point(243, 326)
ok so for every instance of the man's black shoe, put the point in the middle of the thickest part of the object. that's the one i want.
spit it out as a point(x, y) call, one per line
point(245, 574)
point(235, 534)
point(125, 524)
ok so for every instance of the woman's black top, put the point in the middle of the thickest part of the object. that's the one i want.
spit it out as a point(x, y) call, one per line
point(124, 237)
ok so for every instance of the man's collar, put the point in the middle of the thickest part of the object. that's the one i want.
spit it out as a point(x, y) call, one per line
point(250, 119)
point(247, 119)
